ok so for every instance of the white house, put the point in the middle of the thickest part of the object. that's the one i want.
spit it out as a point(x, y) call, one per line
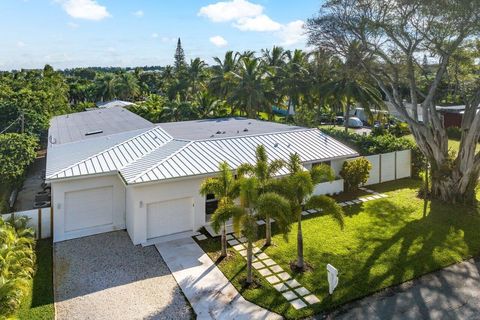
point(110, 169)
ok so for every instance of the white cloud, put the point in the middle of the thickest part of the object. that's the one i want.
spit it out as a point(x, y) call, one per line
point(218, 41)
point(154, 35)
point(230, 10)
point(167, 39)
point(84, 9)
point(258, 23)
point(21, 44)
point(292, 33)
point(138, 13)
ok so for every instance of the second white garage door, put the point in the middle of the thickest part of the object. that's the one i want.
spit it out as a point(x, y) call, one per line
point(169, 217)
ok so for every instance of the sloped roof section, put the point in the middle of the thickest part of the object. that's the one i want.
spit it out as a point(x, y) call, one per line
point(118, 156)
point(203, 157)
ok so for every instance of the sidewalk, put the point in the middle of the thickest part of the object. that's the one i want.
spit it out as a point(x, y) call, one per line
point(450, 293)
point(209, 292)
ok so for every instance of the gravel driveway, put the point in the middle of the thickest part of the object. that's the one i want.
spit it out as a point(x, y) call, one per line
point(107, 277)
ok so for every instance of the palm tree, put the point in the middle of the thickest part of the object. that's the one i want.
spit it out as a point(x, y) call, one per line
point(106, 87)
point(252, 86)
point(298, 188)
point(209, 106)
point(226, 189)
point(254, 205)
point(294, 78)
point(349, 91)
point(126, 85)
point(275, 60)
point(221, 83)
point(264, 170)
point(196, 73)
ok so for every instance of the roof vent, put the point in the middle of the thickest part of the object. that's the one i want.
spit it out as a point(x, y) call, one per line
point(219, 132)
point(276, 144)
point(91, 133)
point(245, 130)
point(249, 123)
point(224, 132)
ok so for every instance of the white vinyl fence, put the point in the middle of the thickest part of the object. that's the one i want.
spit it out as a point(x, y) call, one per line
point(39, 219)
point(386, 166)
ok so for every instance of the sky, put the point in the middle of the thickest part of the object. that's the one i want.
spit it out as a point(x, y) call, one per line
point(81, 33)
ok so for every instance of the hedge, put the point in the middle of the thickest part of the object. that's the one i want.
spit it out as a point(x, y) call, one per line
point(367, 145)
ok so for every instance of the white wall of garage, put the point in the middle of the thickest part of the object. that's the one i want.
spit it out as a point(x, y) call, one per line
point(139, 198)
point(84, 193)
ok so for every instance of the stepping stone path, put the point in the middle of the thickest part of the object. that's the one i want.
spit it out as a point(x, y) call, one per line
point(375, 195)
point(298, 296)
point(282, 281)
point(201, 237)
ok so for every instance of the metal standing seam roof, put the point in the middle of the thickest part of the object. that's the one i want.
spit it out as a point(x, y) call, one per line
point(154, 155)
point(203, 157)
point(118, 156)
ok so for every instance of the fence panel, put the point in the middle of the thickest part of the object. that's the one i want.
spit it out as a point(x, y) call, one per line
point(34, 221)
point(404, 167)
point(374, 177)
point(387, 167)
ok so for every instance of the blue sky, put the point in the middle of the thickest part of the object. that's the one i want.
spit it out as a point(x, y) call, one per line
point(76, 33)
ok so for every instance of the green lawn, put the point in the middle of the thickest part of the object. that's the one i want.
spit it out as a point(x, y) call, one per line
point(38, 304)
point(384, 242)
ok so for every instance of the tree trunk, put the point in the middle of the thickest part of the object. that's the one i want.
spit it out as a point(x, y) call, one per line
point(454, 186)
point(300, 262)
point(224, 241)
point(249, 262)
point(268, 231)
point(347, 116)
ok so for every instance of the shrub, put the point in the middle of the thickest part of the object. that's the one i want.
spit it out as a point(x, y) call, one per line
point(454, 133)
point(355, 173)
point(17, 262)
point(368, 144)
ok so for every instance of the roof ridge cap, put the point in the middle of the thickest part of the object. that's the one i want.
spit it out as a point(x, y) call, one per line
point(108, 149)
point(163, 160)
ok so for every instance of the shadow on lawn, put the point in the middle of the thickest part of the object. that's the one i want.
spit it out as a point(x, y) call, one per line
point(448, 234)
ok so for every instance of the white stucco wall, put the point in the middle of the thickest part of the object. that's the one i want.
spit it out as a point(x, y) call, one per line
point(139, 197)
point(404, 168)
point(333, 187)
point(388, 166)
point(60, 188)
point(374, 176)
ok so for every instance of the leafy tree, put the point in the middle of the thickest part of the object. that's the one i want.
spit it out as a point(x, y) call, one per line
point(221, 83)
point(298, 188)
point(264, 171)
point(226, 189)
point(294, 78)
point(395, 37)
point(106, 87)
point(126, 86)
point(355, 173)
point(17, 152)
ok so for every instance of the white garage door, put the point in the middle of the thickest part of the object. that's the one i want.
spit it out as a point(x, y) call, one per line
point(169, 217)
point(89, 210)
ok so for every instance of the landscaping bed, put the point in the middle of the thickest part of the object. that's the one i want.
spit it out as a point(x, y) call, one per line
point(385, 242)
point(38, 303)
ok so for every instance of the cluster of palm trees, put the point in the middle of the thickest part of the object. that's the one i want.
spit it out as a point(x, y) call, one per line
point(263, 195)
point(239, 84)
point(17, 261)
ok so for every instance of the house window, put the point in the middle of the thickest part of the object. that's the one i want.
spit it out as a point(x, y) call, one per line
point(211, 204)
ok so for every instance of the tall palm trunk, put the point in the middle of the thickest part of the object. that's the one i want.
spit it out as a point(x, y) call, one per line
point(300, 262)
point(224, 241)
point(347, 116)
point(249, 262)
point(268, 231)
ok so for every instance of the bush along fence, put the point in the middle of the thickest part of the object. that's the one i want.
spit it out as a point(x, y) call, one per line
point(368, 145)
point(41, 220)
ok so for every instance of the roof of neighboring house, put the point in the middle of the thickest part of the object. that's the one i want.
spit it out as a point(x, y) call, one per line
point(189, 148)
point(94, 123)
point(113, 104)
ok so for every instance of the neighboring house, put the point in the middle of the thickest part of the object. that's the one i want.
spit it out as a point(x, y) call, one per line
point(452, 115)
point(110, 169)
point(113, 104)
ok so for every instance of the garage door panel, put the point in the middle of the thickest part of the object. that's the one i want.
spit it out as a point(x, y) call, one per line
point(169, 217)
point(88, 209)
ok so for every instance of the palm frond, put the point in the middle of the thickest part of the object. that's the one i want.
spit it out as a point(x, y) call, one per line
point(328, 205)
